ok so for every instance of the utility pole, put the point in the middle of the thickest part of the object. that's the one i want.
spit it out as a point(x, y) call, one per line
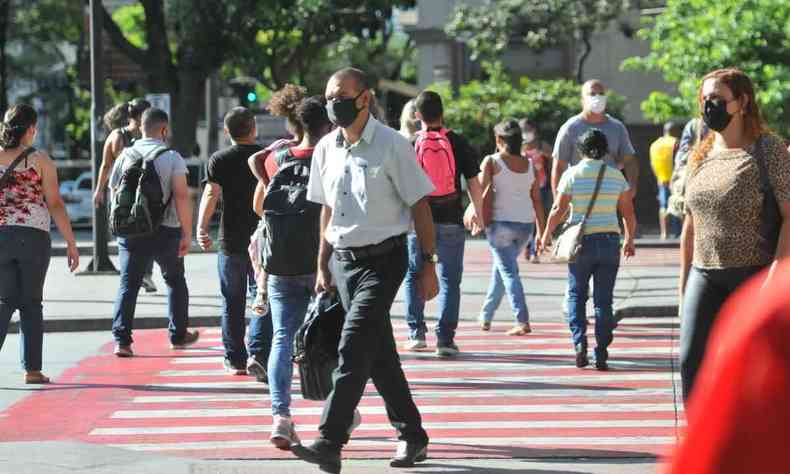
point(100, 264)
point(212, 114)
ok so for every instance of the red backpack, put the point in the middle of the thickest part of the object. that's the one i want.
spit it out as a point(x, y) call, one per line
point(435, 155)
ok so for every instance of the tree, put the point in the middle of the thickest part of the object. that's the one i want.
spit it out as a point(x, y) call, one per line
point(479, 105)
point(489, 29)
point(693, 37)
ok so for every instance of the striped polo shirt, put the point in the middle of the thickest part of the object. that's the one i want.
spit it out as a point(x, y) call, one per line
point(578, 181)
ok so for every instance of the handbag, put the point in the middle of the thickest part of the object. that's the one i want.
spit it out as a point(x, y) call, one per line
point(569, 243)
point(7, 175)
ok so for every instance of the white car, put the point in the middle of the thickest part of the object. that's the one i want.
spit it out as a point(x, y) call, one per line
point(78, 196)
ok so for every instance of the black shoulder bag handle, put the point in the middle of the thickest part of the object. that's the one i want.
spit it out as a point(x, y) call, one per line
point(7, 175)
point(770, 217)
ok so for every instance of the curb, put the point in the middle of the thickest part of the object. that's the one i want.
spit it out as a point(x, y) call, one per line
point(105, 324)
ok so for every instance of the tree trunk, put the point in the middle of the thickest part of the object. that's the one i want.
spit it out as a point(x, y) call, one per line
point(583, 57)
point(185, 109)
point(4, 13)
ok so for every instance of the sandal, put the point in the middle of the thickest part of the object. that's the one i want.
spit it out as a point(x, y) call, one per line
point(485, 326)
point(519, 330)
point(261, 304)
point(36, 378)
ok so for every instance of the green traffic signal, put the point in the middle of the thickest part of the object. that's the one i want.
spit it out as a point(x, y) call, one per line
point(252, 96)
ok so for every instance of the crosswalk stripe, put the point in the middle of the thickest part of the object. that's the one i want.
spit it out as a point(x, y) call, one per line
point(526, 350)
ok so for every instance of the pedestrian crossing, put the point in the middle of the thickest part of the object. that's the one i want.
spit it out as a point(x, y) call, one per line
point(502, 396)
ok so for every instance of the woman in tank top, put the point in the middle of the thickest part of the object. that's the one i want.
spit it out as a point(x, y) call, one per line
point(28, 198)
point(516, 209)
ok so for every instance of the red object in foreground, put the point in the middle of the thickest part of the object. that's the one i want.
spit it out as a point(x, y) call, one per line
point(739, 414)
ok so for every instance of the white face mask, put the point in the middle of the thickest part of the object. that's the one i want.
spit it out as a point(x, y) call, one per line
point(529, 137)
point(596, 103)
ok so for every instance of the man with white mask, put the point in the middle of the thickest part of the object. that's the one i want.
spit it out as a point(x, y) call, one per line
point(593, 115)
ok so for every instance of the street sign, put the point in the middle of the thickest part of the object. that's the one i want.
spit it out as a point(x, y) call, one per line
point(159, 101)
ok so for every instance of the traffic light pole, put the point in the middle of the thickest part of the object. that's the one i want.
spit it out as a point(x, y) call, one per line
point(100, 264)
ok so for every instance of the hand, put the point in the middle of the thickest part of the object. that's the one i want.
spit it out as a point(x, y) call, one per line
point(629, 249)
point(544, 244)
point(323, 281)
point(428, 284)
point(184, 245)
point(98, 198)
point(469, 217)
point(73, 256)
point(204, 240)
point(538, 248)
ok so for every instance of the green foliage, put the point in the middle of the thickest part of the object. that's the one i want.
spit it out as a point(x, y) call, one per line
point(131, 21)
point(479, 105)
point(694, 37)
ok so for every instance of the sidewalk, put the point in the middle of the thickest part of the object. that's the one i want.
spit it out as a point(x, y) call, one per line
point(646, 286)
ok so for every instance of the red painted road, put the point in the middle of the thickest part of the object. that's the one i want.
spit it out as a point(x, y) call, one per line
point(503, 397)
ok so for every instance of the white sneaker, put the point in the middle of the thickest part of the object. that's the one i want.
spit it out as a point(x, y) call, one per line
point(283, 433)
point(355, 422)
point(415, 344)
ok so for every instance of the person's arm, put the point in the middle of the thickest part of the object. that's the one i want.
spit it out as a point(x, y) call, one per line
point(56, 207)
point(184, 212)
point(324, 275)
point(625, 205)
point(208, 205)
point(557, 168)
point(112, 148)
point(558, 211)
point(537, 204)
point(475, 192)
point(426, 236)
point(631, 164)
point(257, 198)
point(686, 252)
point(256, 164)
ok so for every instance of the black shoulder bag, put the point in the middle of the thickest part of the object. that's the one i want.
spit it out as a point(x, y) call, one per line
point(770, 217)
point(7, 175)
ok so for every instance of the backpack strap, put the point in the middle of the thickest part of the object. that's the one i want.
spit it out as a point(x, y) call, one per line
point(283, 155)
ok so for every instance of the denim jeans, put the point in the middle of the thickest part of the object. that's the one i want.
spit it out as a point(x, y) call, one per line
point(234, 272)
point(450, 239)
point(600, 259)
point(367, 351)
point(705, 294)
point(24, 260)
point(135, 256)
point(289, 297)
point(507, 241)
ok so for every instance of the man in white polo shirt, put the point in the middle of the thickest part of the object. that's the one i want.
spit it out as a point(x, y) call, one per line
point(367, 178)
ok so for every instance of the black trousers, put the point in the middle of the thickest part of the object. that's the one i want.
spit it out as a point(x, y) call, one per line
point(367, 348)
point(706, 292)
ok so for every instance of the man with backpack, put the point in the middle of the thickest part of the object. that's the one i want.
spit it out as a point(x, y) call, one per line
point(447, 158)
point(152, 216)
point(230, 179)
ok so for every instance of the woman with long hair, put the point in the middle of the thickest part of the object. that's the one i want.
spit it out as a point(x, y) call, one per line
point(737, 209)
point(516, 209)
point(29, 199)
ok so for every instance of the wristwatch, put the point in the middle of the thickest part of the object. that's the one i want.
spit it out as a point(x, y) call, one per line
point(431, 257)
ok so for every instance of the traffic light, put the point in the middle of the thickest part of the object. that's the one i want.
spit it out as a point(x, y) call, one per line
point(244, 88)
point(252, 97)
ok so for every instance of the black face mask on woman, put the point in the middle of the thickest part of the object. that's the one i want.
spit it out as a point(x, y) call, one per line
point(343, 112)
point(715, 115)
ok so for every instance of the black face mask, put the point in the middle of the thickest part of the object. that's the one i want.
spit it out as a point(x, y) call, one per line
point(715, 115)
point(343, 112)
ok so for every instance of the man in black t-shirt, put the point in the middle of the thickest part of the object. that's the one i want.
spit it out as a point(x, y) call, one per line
point(230, 178)
point(446, 168)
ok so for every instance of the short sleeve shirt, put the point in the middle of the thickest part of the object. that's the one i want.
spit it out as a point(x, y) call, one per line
point(228, 168)
point(168, 165)
point(578, 182)
point(370, 185)
point(724, 196)
point(616, 135)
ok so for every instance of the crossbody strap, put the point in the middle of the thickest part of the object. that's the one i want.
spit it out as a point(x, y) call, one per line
point(759, 157)
point(595, 195)
point(7, 175)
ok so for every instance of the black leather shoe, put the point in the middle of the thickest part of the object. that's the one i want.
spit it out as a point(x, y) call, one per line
point(600, 360)
point(319, 452)
point(581, 356)
point(409, 453)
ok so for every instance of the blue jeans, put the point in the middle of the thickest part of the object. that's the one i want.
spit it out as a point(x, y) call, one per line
point(289, 297)
point(507, 241)
point(233, 272)
point(135, 255)
point(24, 260)
point(599, 259)
point(450, 240)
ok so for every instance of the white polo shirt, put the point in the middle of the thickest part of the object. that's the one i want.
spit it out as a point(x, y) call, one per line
point(370, 185)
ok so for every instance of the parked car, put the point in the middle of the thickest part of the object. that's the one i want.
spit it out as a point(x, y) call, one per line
point(78, 196)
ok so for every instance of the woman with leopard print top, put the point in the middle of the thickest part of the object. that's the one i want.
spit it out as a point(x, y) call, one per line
point(737, 219)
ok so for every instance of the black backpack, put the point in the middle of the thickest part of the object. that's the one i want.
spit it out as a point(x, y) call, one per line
point(290, 230)
point(316, 343)
point(138, 205)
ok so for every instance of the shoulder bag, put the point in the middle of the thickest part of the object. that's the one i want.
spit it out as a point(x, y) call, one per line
point(569, 243)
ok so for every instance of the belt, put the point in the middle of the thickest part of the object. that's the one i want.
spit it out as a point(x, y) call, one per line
point(353, 254)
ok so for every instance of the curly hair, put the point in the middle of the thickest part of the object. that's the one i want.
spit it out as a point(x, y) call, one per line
point(284, 103)
point(117, 117)
point(17, 121)
point(312, 115)
point(741, 86)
